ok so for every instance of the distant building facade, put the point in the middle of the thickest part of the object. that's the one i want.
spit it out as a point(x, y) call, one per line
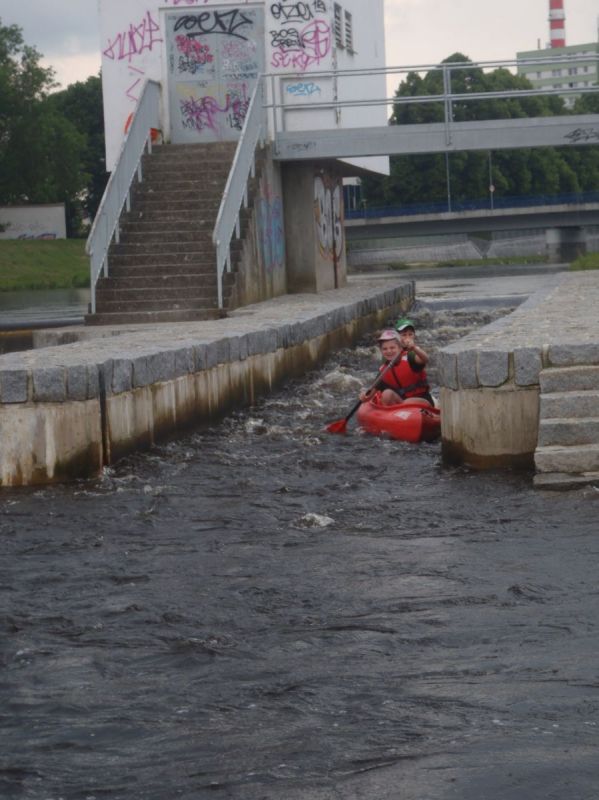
point(576, 69)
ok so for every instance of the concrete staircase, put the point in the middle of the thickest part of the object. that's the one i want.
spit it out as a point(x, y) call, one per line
point(567, 453)
point(164, 268)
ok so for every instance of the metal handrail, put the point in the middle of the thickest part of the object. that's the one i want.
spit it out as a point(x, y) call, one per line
point(117, 192)
point(236, 188)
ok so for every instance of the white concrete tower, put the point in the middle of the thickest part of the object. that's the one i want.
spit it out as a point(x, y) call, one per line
point(557, 23)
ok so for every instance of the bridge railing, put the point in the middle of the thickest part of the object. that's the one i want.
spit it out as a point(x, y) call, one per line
point(117, 194)
point(289, 95)
point(473, 204)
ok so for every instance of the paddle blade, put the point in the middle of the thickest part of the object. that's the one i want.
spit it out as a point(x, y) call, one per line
point(337, 427)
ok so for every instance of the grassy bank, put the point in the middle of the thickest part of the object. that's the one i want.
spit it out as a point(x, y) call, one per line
point(38, 264)
point(589, 261)
point(468, 262)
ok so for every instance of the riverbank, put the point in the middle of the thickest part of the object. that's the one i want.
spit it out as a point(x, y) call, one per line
point(43, 264)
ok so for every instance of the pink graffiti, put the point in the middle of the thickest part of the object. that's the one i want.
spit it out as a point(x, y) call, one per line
point(194, 49)
point(135, 40)
point(205, 112)
point(308, 48)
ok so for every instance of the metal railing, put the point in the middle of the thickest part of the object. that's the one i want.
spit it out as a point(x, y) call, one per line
point(236, 189)
point(117, 194)
point(277, 108)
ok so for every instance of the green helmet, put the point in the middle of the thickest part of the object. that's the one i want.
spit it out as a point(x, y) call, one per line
point(403, 324)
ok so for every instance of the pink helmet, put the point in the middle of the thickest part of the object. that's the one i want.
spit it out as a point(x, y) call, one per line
point(388, 335)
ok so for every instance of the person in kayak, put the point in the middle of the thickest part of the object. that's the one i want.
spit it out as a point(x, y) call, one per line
point(406, 381)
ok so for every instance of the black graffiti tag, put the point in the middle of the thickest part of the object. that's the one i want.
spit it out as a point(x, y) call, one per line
point(228, 23)
point(291, 11)
point(287, 39)
point(582, 135)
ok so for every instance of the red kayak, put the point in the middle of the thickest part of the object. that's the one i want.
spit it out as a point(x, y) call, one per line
point(412, 423)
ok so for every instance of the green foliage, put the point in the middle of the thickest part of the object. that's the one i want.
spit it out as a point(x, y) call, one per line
point(588, 261)
point(81, 104)
point(49, 144)
point(41, 264)
point(423, 178)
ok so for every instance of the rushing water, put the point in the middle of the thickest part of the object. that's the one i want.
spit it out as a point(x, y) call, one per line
point(266, 611)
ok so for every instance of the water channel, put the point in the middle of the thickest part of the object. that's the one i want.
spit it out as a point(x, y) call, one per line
point(264, 611)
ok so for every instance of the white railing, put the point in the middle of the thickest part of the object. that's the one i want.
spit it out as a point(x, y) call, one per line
point(117, 194)
point(236, 189)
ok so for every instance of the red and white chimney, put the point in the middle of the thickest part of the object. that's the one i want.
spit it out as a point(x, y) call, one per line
point(557, 23)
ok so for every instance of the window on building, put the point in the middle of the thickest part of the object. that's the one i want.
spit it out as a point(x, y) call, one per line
point(585, 69)
point(555, 73)
point(349, 32)
point(572, 71)
point(338, 25)
point(539, 74)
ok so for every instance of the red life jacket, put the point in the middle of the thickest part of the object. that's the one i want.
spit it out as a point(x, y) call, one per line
point(405, 380)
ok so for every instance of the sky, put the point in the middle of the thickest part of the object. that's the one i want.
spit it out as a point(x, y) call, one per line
point(418, 32)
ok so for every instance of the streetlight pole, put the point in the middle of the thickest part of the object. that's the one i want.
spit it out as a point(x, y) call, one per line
point(491, 185)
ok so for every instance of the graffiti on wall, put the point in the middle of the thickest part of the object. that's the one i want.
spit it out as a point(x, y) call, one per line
point(301, 36)
point(214, 59)
point(328, 216)
point(271, 235)
point(207, 113)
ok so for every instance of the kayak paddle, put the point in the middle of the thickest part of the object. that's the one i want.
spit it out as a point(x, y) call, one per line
point(341, 424)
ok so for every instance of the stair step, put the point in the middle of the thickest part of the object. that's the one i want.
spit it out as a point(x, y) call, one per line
point(162, 281)
point(164, 294)
point(154, 304)
point(138, 233)
point(152, 317)
point(566, 379)
point(158, 248)
point(569, 404)
point(576, 459)
point(565, 480)
point(568, 431)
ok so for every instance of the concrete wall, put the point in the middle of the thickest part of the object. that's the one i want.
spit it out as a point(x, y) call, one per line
point(33, 222)
point(315, 235)
point(262, 272)
point(67, 410)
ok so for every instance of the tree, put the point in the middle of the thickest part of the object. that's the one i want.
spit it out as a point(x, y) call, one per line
point(81, 104)
point(423, 178)
point(41, 152)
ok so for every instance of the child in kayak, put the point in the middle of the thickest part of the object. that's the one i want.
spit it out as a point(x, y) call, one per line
point(406, 381)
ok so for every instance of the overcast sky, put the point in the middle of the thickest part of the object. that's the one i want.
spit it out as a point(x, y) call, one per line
point(418, 31)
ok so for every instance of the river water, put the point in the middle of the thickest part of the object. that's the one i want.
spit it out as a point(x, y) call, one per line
point(264, 611)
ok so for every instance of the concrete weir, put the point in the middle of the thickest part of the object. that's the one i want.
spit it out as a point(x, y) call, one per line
point(524, 391)
point(85, 397)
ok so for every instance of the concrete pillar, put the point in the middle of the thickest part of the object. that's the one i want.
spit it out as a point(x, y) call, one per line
point(314, 227)
point(565, 244)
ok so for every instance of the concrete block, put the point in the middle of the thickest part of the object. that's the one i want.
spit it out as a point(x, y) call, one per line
point(223, 350)
point(234, 348)
point(567, 432)
point(122, 376)
point(565, 379)
point(141, 375)
point(13, 386)
point(467, 375)
point(493, 367)
point(161, 365)
point(243, 347)
point(200, 355)
point(211, 355)
point(77, 382)
point(582, 458)
point(447, 365)
point(184, 361)
point(528, 363)
point(49, 385)
point(569, 404)
point(568, 355)
point(93, 381)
